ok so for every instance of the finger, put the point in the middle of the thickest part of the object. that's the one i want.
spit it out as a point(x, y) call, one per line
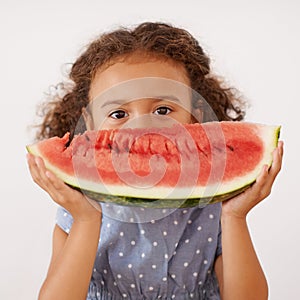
point(280, 147)
point(56, 189)
point(60, 192)
point(41, 168)
point(42, 173)
point(262, 177)
point(261, 187)
point(48, 181)
point(31, 164)
point(267, 177)
point(38, 171)
point(56, 182)
point(277, 162)
point(34, 169)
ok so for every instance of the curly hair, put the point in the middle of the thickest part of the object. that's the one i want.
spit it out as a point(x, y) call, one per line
point(61, 113)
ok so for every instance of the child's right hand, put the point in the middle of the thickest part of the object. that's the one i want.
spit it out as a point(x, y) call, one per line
point(78, 205)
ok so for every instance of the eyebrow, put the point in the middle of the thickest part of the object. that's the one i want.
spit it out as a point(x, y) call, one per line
point(161, 97)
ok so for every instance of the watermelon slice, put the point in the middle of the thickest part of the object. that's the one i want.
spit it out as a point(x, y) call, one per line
point(180, 166)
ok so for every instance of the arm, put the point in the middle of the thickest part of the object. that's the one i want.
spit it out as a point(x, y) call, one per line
point(73, 255)
point(238, 269)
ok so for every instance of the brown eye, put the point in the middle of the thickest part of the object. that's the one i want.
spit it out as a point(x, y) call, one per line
point(163, 110)
point(118, 114)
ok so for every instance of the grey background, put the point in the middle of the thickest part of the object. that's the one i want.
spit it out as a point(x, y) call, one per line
point(254, 44)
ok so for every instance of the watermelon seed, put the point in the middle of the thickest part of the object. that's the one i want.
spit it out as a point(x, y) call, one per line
point(202, 151)
point(230, 148)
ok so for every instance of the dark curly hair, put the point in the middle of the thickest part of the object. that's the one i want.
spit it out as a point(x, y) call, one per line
point(61, 113)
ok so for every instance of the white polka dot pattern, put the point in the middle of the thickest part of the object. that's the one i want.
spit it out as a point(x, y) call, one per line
point(166, 258)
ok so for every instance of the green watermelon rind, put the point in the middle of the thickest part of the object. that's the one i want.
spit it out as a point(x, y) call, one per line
point(155, 197)
point(160, 203)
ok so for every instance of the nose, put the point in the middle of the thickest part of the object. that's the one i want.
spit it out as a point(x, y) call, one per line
point(140, 121)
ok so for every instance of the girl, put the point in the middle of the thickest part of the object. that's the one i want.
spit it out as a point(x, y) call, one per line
point(200, 253)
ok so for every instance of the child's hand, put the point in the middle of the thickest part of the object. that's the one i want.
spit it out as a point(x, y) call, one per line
point(240, 205)
point(76, 203)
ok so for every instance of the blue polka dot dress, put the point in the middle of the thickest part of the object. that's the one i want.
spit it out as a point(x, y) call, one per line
point(155, 253)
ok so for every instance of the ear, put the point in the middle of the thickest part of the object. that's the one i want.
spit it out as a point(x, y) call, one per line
point(88, 119)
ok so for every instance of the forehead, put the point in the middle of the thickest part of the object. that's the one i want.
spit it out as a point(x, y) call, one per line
point(138, 66)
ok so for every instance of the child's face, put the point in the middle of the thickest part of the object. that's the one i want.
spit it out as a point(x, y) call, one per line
point(137, 100)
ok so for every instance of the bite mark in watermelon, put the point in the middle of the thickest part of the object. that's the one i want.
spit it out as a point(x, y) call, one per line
point(184, 165)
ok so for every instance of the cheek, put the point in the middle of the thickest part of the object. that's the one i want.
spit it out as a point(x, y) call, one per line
point(99, 122)
point(105, 125)
point(184, 117)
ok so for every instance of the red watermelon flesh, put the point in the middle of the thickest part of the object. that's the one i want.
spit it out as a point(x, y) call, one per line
point(214, 160)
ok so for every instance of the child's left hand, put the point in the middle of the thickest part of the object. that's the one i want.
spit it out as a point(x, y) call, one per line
point(240, 205)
